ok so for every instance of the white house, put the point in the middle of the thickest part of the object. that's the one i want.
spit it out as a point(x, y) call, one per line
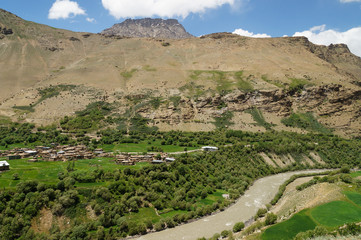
point(4, 165)
point(169, 159)
point(209, 149)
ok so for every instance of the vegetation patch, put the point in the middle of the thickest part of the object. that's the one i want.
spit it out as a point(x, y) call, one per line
point(149, 68)
point(336, 213)
point(224, 121)
point(5, 121)
point(355, 174)
point(258, 118)
point(29, 108)
point(354, 197)
point(242, 84)
point(297, 85)
point(193, 90)
point(87, 119)
point(128, 74)
point(175, 100)
point(225, 81)
point(143, 146)
point(276, 83)
point(47, 172)
point(305, 121)
point(289, 229)
point(155, 102)
point(46, 93)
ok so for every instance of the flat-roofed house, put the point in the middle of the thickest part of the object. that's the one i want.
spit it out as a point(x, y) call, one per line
point(209, 149)
point(4, 165)
point(168, 159)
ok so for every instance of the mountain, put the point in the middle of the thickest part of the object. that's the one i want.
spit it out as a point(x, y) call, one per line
point(149, 28)
point(193, 84)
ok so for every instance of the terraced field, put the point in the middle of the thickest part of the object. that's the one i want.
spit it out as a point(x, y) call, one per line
point(330, 215)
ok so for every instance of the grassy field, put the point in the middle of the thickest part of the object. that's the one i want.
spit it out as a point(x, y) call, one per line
point(47, 172)
point(354, 197)
point(355, 174)
point(143, 215)
point(300, 222)
point(330, 215)
point(336, 213)
point(212, 198)
point(142, 147)
point(16, 145)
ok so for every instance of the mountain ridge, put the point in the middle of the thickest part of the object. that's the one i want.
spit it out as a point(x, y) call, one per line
point(177, 84)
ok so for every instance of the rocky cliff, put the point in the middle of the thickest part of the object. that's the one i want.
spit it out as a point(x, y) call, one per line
point(149, 28)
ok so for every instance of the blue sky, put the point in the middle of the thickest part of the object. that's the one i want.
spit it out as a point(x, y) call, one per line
point(323, 21)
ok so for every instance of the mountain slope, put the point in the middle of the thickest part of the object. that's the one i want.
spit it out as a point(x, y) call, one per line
point(186, 84)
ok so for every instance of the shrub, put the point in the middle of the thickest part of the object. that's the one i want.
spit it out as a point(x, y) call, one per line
point(345, 169)
point(271, 218)
point(225, 233)
point(260, 213)
point(350, 229)
point(346, 178)
point(16, 176)
point(238, 227)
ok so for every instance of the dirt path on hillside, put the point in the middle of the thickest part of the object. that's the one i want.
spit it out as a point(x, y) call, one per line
point(259, 194)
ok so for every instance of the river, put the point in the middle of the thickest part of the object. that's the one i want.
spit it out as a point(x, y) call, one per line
point(257, 196)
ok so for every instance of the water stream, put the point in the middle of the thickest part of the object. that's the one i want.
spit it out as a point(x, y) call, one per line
point(257, 196)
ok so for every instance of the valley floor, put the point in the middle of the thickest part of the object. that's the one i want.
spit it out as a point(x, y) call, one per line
point(258, 195)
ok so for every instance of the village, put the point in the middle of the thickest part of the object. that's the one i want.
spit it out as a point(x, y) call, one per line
point(70, 153)
point(67, 153)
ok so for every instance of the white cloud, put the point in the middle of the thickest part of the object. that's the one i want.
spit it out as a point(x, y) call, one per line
point(319, 35)
point(250, 34)
point(91, 20)
point(320, 28)
point(162, 8)
point(348, 1)
point(65, 9)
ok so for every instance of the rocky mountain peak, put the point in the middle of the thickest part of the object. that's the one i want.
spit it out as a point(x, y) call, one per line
point(149, 28)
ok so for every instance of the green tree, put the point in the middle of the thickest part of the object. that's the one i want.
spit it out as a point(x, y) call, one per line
point(271, 218)
point(238, 227)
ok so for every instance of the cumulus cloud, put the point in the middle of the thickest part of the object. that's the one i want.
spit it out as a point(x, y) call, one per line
point(320, 35)
point(162, 8)
point(65, 9)
point(250, 34)
point(91, 20)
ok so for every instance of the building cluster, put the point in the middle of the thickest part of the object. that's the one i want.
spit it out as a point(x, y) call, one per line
point(127, 159)
point(69, 153)
point(56, 153)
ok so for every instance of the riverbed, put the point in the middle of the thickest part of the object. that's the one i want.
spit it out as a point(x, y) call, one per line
point(257, 196)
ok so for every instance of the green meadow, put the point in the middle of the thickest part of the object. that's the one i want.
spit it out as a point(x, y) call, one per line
point(143, 147)
point(300, 222)
point(336, 213)
point(355, 174)
point(47, 172)
point(330, 215)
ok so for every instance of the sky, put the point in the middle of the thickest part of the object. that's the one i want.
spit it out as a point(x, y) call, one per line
point(322, 21)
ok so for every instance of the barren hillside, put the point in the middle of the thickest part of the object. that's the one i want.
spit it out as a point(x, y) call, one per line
point(218, 80)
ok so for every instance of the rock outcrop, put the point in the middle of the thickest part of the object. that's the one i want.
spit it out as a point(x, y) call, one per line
point(148, 28)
